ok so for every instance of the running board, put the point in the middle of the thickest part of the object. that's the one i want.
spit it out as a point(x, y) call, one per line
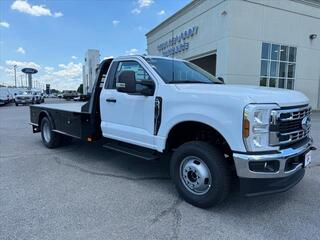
point(140, 152)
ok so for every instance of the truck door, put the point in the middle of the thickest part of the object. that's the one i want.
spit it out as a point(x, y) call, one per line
point(127, 117)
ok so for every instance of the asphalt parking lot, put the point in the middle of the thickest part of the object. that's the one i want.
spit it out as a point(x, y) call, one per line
point(83, 191)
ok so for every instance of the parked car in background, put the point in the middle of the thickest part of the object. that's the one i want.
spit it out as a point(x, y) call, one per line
point(26, 97)
point(69, 94)
point(82, 98)
point(4, 96)
point(38, 96)
point(15, 91)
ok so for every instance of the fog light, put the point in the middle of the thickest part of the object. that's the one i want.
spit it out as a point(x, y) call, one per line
point(264, 166)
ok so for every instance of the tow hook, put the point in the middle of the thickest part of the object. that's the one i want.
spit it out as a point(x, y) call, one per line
point(313, 148)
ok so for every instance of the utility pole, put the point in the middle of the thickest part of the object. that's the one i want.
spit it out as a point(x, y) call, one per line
point(15, 75)
point(21, 81)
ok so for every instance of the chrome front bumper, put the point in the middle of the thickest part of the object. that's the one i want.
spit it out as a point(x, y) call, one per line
point(242, 162)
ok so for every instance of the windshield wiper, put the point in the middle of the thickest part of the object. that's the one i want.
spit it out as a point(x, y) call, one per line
point(188, 81)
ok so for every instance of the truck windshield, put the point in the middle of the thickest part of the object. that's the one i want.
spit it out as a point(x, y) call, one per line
point(177, 71)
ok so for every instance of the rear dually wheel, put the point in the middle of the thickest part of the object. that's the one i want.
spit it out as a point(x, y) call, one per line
point(49, 138)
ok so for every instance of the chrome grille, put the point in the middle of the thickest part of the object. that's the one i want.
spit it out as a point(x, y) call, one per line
point(23, 98)
point(289, 125)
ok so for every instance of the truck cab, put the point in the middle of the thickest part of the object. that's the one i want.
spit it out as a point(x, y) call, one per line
point(156, 105)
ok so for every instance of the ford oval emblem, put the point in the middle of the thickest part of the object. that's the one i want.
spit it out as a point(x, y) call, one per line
point(306, 123)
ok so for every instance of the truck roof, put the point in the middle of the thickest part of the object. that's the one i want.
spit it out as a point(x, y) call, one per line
point(146, 56)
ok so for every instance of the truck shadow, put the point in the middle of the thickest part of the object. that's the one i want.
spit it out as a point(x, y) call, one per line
point(95, 160)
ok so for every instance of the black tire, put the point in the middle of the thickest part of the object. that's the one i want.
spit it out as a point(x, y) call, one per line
point(215, 163)
point(17, 104)
point(54, 139)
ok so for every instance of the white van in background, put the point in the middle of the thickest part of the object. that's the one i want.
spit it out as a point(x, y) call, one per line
point(4, 95)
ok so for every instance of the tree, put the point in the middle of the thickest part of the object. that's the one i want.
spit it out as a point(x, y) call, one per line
point(80, 88)
point(54, 91)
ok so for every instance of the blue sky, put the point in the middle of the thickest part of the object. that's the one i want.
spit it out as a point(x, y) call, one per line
point(53, 35)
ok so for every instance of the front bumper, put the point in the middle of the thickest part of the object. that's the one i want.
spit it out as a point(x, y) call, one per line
point(20, 101)
point(257, 182)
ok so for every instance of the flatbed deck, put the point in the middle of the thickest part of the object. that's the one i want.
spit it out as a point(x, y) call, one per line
point(69, 107)
point(76, 119)
point(67, 118)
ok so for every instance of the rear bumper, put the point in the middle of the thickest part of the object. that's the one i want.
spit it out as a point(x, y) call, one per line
point(287, 171)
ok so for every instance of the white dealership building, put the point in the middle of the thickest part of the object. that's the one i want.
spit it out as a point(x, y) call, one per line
point(259, 42)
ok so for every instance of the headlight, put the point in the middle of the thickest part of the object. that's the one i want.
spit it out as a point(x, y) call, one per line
point(256, 119)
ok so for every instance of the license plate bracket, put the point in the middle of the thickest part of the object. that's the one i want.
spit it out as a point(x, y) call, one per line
point(307, 159)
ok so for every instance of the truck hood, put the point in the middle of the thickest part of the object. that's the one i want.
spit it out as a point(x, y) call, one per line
point(24, 95)
point(247, 93)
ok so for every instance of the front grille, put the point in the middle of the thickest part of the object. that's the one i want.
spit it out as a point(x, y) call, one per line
point(289, 125)
point(23, 98)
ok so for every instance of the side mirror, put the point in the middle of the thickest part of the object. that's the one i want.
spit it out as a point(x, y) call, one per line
point(126, 82)
point(221, 79)
point(148, 88)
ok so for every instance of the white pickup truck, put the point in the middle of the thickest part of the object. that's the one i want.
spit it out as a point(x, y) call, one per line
point(150, 106)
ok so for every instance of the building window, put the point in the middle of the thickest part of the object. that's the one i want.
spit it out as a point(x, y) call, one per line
point(278, 65)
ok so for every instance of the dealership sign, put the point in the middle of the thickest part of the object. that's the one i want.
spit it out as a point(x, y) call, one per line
point(29, 70)
point(178, 43)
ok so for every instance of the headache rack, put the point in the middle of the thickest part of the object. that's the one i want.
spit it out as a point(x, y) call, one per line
point(289, 125)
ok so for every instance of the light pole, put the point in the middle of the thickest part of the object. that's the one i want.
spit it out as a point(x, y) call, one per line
point(15, 75)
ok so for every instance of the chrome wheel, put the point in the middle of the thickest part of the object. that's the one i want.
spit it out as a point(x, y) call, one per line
point(46, 131)
point(195, 175)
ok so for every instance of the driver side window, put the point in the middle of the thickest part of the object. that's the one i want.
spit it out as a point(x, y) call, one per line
point(140, 73)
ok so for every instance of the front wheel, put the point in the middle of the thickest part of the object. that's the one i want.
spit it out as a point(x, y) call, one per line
point(200, 173)
point(49, 138)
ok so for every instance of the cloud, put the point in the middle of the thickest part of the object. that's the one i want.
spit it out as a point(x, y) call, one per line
point(49, 69)
point(132, 51)
point(9, 71)
point(62, 77)
point(141, 5)
point(140, 29)
point(34, 10)
point(145, 3)
point(136, 11)
point(4, 24)
point(162, 12)
point(67, 76)
point(57, 14)
point(115, 23)
point(23, 64)
point(74, 57)
point(71, 70)
point(21, 50)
